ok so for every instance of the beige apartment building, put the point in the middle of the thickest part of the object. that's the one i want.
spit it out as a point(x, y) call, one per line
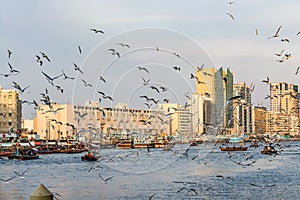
point(66, 121)
point(10, 110)
point(283, 118)
point(260, 118)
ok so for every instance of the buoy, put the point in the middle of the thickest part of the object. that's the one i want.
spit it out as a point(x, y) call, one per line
point(41, 193)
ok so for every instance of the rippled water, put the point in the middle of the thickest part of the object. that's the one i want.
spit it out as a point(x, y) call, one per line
point(200, 172)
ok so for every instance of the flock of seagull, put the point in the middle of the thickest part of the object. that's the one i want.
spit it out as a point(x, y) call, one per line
point(188, 187)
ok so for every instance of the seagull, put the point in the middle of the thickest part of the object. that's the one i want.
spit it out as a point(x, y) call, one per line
point(107, 97)
point(96, 30)
point(112, 50)
point(176, 68)
point(79, 114)
point(50, 79)
point(276, 34)
point(285, 40)
point(7, 75)
point(230, 15)
point(77, 68)
point(17, 86)
point(86, 84)
point(102, 79)
point(105, 180)
point(231, 2)
point(143, 68)
point(45, 56)
point(21, 175)
point(206, 74)
point(152, 196)
point(12, 70)
point(54, 111)
point(297, 71)
point(9, 53)
point(279, 54)
point(192, 189)
point(124, 45)
point(154, 88)
point(267, 81)
point(79, 49)
point(297, 33)
point(145, 82)
point(200, 68)
point(7, 180)
point(116, 53)
point(235, 97)
point(256, 31)
point(67, 77)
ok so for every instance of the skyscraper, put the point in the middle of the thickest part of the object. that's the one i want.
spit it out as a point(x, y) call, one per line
point(218, 84)
point(243, 110)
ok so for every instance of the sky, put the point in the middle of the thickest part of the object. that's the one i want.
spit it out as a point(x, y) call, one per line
point(199, 32)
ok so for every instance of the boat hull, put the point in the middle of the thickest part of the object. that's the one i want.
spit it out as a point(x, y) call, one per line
point(233, 148)
point(90, 158)
point(23, 157)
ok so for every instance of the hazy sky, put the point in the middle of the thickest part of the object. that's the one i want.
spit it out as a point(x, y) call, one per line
point(201, 32)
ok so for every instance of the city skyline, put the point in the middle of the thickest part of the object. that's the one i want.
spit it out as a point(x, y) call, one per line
point(240, 44)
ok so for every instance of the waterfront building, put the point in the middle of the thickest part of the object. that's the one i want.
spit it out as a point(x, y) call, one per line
point(260, 118)
point(201, 113)
point(10, 110)
point(172, 110)
point(218, 84)
point(284, 109)
point(243, 111)
point(282, 124)
point(65, 121)
point(284, 98)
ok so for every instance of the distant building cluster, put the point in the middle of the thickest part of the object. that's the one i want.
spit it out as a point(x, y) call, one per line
point(217, 107)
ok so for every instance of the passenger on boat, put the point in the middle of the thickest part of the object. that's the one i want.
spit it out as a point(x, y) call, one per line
point(90, 155)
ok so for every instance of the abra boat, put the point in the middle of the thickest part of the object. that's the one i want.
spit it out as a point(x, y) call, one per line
point(90, 157)
point(233, 148)
point(6, 153)
point(23, 157)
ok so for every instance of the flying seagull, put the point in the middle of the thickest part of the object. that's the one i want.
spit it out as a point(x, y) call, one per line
point(123, 45)
point(77, 68)
point(79, 49)
point(276, 34)
point(45, 56)
point(12, 70)
point(9, 53)
point(230, 15)
point(143, 68)
point(96, 30)
point(67, 77)
point(102, 79)
point(297, 71)
point(86, 84)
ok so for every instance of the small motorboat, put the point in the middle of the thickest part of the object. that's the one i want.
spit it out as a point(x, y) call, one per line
point(90, 157)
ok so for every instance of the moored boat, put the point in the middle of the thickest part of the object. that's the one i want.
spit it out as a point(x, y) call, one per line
point(23, 157)
point(6, 153)
point(233, 148)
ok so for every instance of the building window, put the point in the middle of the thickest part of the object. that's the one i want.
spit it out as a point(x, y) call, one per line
point(9, 114)
point(9, 123)
point(9, 96)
